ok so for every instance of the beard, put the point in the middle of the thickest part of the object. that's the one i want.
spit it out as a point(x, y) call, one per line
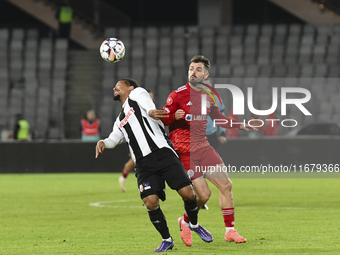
point(116, 98)
point(195, 81)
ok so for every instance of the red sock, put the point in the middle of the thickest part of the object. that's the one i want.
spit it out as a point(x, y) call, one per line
point(186, 218)
point(229, 218)
point(125, 173)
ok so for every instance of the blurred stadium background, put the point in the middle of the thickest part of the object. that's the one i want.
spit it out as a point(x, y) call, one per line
point(53, 81)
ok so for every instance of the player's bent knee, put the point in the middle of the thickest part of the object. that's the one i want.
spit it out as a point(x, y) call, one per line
point(151, 202)
point(205, 197)
point(187, 193)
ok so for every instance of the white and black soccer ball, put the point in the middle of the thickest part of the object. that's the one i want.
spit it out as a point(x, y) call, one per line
point(112, 50)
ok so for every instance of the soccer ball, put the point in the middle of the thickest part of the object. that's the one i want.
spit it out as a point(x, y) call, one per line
point(112, 50)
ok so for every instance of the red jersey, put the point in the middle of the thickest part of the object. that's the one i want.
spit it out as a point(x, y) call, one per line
point(90, 128)
point(188, 134)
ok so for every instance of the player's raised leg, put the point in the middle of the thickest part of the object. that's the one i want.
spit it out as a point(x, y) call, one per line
point(158, 219)
point(191, 208)
point(221, 180)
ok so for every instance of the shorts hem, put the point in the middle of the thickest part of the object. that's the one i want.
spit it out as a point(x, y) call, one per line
point(153, 192)
point(183, 185)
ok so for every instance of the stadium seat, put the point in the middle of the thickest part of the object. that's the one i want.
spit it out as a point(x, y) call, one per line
point(321, 70)
point(18, 34)
point(309, 29)
point(252, 70)
point(335, 29)
point(124, 34)
point(151, 70)
point(110, 32)
point(224, 30)
point(61, 44)
point(295, 29)
point(208, 46)
point(337, 109)
point(335, 40)
point(266, 70)
point(236, 40)
point(323, 29)
point(192, 48)
point(4, 34)
point(178, 31)
point(334, 71)
point(32, 33)
point(138, 33)
point(263, 58)
point(319, 53)
point(151, 82)
point(280, 29)
point(322, 40)
point(207, 32)
point(192, 30)
point(137, 70)
point(307, 70)
point(307, 40)
point(279, 71)
point(238, 30)
point(151, 31)
point(165, 90)
point(279, 39)
point(267, 30)
point(165, 31)
point(249, 58)
point(253, 30)
point(239, 71)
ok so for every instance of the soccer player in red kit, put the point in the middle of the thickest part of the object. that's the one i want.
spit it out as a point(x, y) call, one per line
point(187, 124)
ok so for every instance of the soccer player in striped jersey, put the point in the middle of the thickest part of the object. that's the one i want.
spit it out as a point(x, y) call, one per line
point(140, 126)
point(128, 166)
point(187, 125)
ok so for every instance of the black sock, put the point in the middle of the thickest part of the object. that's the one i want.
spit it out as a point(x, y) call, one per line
point(158, 220)
point(191, 208)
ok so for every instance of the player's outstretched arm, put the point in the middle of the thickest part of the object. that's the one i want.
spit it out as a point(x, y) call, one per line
point(100, 148)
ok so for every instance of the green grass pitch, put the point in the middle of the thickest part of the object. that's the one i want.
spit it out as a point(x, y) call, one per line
point(52, 214)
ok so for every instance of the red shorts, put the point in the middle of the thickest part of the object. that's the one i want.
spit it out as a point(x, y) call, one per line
point(196, 163)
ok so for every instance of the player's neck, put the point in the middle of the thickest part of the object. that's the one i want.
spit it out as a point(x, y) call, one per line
point(194, 87)
point(123, 100)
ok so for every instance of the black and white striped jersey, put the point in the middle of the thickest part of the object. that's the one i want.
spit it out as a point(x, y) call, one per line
point(134, 126)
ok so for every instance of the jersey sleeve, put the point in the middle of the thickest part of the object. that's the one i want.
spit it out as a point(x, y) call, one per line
point(142, 97)
point(116, 137)
point(216, 114)
point(170, 107)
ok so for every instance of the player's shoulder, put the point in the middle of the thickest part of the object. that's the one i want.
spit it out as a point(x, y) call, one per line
point(136, 92)
point(181, 89)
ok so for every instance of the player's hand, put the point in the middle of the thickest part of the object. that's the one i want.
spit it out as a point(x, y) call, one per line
point(158, 114)
point(100, 148)
point(223, 140)
point(179, 114)
point(248, 128)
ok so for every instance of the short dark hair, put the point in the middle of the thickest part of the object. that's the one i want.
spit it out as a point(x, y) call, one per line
point(201, 59)
point(130, 82)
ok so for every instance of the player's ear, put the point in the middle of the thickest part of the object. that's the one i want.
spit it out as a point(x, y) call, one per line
point(206, 75)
